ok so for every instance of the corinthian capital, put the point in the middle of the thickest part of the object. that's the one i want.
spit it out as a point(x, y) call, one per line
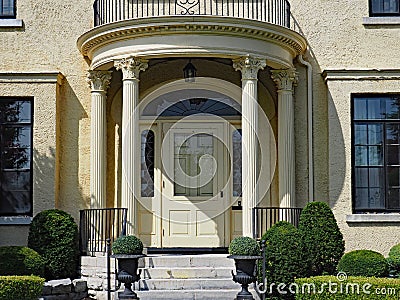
point(99, 80)
point(285, 79)
point(249, 66)
point(131, 67)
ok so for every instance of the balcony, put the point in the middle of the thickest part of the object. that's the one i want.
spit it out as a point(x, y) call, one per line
point(275, 12)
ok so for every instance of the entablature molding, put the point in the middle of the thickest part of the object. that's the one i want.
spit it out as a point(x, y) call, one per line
point(361, 74)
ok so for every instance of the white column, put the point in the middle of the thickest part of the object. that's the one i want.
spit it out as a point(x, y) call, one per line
point(249, 66)
point(131, 68)
point(285, 81)
point(99, 82)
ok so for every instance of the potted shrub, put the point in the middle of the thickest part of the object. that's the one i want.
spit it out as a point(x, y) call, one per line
point(245, 251)
point(127, 249)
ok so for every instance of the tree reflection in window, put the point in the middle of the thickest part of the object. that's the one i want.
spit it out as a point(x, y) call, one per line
point(147, 163)
point(15, 156)
point(237, 162)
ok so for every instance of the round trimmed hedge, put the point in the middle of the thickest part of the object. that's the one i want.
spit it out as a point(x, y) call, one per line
point(54, 235)
point(244, 245)
point(394, 261)
point(19, 260)
point(127, 244)
point(321, 238)
point(366, 263)
point(284, 256)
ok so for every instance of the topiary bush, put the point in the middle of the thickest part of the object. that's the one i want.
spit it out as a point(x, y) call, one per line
point(20, 287)
point(19, 260)
point(127, 244)
point(394, 261)
point(366, 263)
point(284, 257)
point(322, 239)
point(54, 235)
point(244, 245)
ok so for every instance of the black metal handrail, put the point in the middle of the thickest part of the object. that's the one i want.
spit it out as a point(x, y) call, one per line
point(270, 11)
point(98, 225)
point(265, 217)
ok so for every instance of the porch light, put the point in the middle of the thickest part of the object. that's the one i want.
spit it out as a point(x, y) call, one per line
point(189, 72)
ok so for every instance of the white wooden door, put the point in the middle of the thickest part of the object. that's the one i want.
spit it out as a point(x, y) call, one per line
point(193, 202)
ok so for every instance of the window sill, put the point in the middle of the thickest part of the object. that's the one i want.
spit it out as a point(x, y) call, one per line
point(373, 218)
point(15, 220)
point(14, 23)
point(381, 21)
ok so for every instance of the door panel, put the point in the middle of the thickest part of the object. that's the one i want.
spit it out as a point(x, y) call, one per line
point(193, 178)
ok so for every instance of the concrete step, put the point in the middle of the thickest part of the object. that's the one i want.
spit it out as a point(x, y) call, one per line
point(188, 284)
point(191, 295)
point(186, 272)
point(203, 260)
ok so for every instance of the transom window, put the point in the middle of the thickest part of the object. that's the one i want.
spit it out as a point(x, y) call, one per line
point(384, 8)
point(376, 153)
point(7, 9)
point(15, 156)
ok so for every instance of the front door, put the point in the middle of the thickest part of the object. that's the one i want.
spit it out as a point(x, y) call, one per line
point(193, 202)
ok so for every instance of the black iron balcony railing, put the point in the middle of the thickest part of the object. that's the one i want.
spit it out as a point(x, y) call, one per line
point(270, 11)
point(98, 225)
point(265, 217)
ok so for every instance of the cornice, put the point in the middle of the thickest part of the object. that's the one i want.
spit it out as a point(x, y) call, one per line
point(31, 77)
point(130, 29)
point(361, 74)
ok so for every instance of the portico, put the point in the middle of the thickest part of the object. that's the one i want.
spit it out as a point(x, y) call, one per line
point(143, 60)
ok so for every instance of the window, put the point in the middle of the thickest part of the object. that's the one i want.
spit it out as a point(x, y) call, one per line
point(376, 153)
point(15, 156)
point(147, 163)
point(384, 8)
point(7, 9)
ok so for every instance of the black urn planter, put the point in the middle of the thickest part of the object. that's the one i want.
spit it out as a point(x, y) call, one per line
point(245, 274)
point(128, 273)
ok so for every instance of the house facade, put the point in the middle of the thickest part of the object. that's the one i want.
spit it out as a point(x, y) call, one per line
point(191, 114)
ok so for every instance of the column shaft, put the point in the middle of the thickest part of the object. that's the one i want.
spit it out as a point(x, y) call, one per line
point(249, 66)
point(99, 81)
point(130, 182)
point(285, 81)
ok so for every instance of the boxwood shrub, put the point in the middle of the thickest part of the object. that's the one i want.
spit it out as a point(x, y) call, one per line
point(394, 261)
point(127, 244)
point(364, 263)
point(54, 235)
point(18, 260)
point(20, 287)
point(244, 245)
point(284, 256)
point(322, 239)
point(368, 288)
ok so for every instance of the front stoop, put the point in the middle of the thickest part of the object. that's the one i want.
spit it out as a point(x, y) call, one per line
point(168, 276)
point(188, 277)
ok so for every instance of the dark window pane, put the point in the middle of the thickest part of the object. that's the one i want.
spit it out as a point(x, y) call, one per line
point(237, 162)
point(15, 158)
point(15, 203)
point(147, 163)
point(375, 134)
point(392, 108)
point(393, 176)
point(361, 155)
point(375, 156)
point(15, 111)
point(393, 199)
point(393, 155)
point(16, 181)
point(376, 108)
point(6, 8)
point(360, 109)
point(361, 177)
point(16, 136)
point(361, 201)
point(376, 198)
point(361, 134)
point(392, 133)
point(385, 6)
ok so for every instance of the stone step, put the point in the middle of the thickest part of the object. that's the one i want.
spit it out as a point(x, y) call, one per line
point(186, 272)
point(191, 295)
point(203, 260)
point(188, 284)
